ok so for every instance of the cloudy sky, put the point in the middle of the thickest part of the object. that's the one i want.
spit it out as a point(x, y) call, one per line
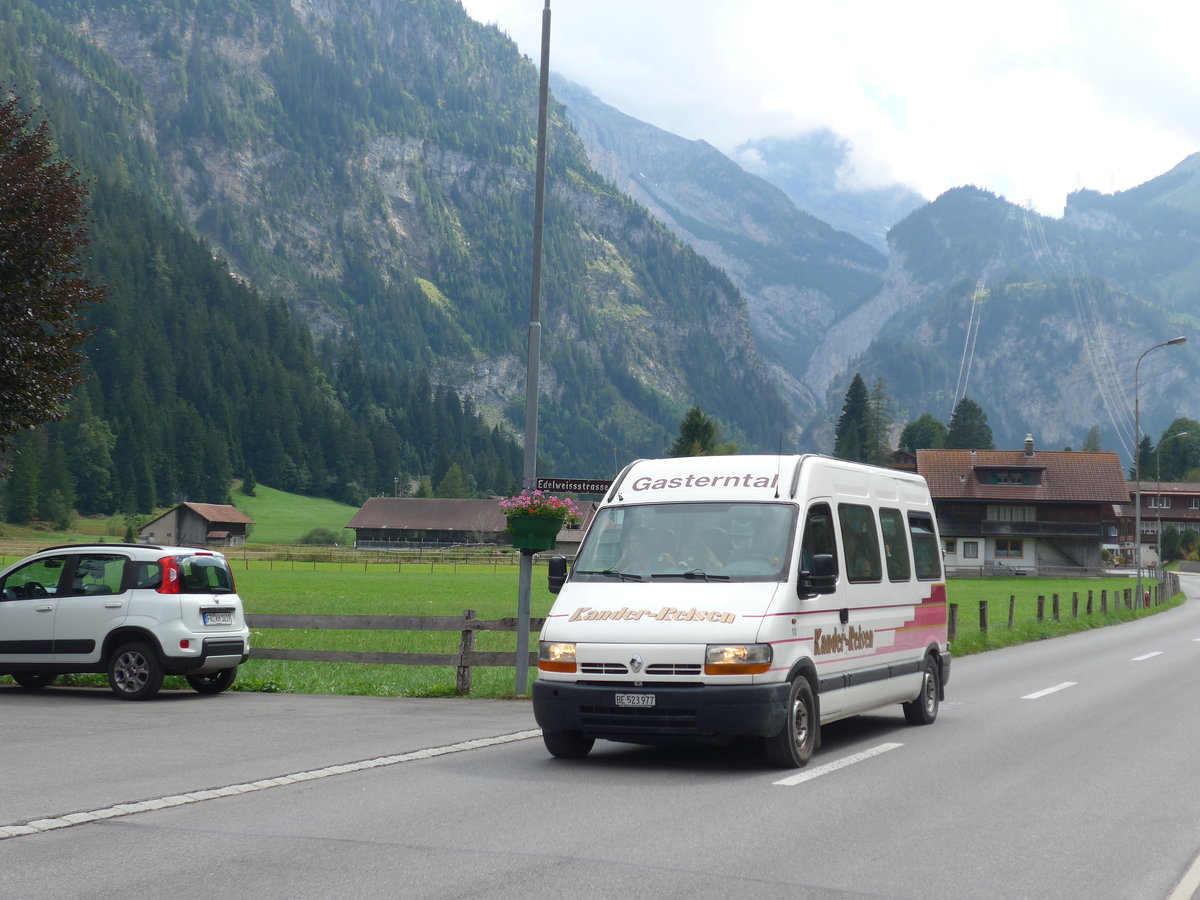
point(1030, 99)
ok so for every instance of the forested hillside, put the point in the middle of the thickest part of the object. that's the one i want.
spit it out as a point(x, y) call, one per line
point(316, 223)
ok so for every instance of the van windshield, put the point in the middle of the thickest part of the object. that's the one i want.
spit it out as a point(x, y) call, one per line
point(704, 541)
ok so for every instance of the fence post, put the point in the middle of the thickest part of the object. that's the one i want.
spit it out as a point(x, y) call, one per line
point(1054, 605)
point(952, 622)
point(1074, 604)
point(983, 616)
point(1104, 602)
point(462, 682)
point(1012, 603)
point(1089, 606)
point(1041, 608)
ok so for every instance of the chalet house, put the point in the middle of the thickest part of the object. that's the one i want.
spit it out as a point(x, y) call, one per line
point(392, 523)
point(198, 524)
point(1163, 504)
point(1023, 511)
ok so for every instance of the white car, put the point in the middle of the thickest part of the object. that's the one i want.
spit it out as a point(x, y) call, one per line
point(134, 611)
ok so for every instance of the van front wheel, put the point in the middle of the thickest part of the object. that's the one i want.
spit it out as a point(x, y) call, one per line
point(924, 709)
point(567, 744)
point(793, 746)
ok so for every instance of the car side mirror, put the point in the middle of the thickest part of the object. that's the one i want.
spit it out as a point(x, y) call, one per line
point(557, 566)
point(819, 578)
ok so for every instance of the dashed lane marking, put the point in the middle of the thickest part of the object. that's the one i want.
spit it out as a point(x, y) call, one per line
point(39, 826)
point(810, 774)
point(1038, 695)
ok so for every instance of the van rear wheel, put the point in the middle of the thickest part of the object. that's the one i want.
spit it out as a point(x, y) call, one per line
point(793, 747)
point(924, 709)
point(567, 744)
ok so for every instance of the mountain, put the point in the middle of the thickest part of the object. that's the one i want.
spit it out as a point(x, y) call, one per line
point(797, 273)
point(1039, 320)
point(369, 169)
point(810, 168)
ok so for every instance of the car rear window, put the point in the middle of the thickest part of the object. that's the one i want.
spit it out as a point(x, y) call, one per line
point(204, 575)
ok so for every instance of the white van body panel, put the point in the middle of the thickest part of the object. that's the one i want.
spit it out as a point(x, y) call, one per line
point(688, 553)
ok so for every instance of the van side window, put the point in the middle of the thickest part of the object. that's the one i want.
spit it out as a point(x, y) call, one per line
point(860, 540)
point(925, 547)
point(895, 547)
point(818, 536)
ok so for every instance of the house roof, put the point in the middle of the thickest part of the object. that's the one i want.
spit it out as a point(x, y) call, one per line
point(213, 513)
point(219, 513)
point(432, 513)
point(1055, 475)
point(437, 514)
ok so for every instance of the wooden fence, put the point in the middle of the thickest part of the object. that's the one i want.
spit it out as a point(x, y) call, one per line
point(466, 657)
point(1155, 591)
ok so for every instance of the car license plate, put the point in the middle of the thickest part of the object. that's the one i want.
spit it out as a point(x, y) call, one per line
point(635, 699)
point(218, 618)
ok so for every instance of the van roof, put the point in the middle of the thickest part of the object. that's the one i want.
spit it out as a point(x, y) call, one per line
point(731, 478)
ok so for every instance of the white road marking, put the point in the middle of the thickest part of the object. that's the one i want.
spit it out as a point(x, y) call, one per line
point(810, 774)
point(39, 826)
point(1146, 656)
point(1037, 695)
point(1189, 885)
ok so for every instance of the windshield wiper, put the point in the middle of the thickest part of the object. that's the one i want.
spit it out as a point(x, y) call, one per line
point(692, 573)
point(611, 573)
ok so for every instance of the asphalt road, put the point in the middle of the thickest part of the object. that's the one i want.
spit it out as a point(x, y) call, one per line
point(1062, 769)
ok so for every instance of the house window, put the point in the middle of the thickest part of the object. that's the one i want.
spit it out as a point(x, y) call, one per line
point(1010, 478)
point(1009, 548)
point(1193, 502)
point(1012, 513)
point(950, 546)
point(970, 550)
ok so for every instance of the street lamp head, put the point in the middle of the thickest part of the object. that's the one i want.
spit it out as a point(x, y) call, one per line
point(1179, 340)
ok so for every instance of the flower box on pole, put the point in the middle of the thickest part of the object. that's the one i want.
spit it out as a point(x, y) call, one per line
point(535, 518)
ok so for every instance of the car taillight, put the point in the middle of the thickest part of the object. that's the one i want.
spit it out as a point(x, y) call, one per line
point(171, 579)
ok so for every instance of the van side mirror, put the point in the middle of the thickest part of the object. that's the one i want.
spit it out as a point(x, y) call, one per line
point(819, 578)
point(558, 573)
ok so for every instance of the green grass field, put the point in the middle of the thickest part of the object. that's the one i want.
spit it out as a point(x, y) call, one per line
point(281, 518)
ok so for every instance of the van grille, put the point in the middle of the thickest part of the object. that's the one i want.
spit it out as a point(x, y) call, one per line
point(660, 670)
point(691, 669)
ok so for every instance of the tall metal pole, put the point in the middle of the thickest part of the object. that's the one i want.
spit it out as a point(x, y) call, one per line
point(1137, 465)
point(534, 358)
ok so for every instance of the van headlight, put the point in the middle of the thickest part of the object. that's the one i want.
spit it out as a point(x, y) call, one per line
point(737, 659)
point(556, 656)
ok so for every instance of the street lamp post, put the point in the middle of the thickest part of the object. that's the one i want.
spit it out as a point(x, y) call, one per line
point(1158, 502)
point(1137, 464)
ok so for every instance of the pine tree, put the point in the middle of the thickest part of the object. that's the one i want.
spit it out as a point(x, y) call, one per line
point(850, 435)
point(879, 425)
point(699, 435)
point(969, 429)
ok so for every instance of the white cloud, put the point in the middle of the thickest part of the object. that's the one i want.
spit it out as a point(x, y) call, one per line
point(1030, 99)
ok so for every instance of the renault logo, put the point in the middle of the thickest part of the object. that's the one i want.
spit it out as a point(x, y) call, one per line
point(636, 663)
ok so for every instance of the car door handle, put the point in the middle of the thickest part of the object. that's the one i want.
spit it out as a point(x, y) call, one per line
point(45, 609)
point(114, 604)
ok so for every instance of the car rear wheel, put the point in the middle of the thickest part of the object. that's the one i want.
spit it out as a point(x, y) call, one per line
point(213, 682)
point(134, 672)
point(33, 680)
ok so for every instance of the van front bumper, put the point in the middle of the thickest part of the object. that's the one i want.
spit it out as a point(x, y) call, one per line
point(688, 711)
